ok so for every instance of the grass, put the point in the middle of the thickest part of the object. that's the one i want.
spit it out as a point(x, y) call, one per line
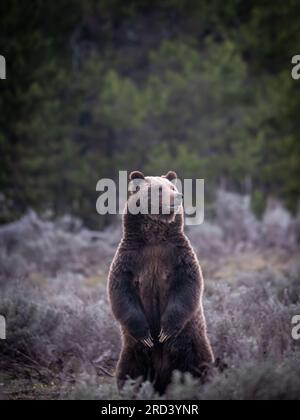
point(62, 341)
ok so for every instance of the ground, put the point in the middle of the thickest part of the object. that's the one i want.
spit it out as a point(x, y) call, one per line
point(62, 341)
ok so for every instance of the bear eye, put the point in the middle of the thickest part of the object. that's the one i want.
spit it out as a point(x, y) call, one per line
point(134, 190)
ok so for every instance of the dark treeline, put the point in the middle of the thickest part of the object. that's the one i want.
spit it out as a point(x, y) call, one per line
point(93, 87)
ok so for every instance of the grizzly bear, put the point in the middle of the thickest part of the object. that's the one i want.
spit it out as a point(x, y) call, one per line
point(155, 289)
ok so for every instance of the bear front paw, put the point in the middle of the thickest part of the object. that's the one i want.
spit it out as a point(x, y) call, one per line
point(148, 342)
point(164, 335)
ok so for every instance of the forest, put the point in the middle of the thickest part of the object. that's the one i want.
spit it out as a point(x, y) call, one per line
point(95, 87)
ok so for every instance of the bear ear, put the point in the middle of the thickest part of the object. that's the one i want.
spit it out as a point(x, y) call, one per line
point(136, 175)
point(171, 176)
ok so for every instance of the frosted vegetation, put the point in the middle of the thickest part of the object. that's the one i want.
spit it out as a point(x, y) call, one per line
point(63, 343)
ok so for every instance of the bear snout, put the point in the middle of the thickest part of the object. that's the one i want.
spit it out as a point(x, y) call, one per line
point(177, 200)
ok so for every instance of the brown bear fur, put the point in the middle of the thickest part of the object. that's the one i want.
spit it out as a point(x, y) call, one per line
point(155, 290)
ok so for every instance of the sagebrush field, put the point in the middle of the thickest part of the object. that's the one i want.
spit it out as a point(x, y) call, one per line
point(62, 341)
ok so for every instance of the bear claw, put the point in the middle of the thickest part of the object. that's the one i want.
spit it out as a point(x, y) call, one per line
point(163, 336)
point(148, 342)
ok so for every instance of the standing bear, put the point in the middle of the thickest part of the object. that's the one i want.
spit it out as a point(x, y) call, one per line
point(156, 287)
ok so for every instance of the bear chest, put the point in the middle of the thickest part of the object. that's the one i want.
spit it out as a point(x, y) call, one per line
point(154, 276)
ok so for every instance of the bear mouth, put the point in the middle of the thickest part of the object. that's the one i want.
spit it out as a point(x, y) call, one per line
point(174, 208)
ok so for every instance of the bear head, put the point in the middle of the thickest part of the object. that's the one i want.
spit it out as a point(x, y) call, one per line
point(155, 196)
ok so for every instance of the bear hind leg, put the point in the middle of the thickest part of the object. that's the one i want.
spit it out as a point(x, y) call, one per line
point(131, 365)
